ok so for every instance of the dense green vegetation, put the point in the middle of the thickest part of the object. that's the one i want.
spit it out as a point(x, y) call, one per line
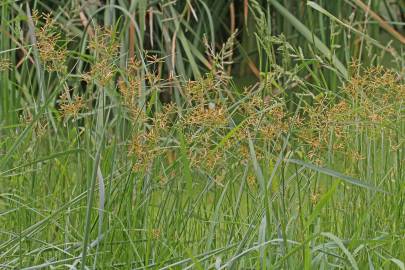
point(202, 134)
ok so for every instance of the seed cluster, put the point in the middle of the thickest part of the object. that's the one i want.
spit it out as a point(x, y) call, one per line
point(52, 52)
point(70, 106)
point(5, 64)
point(105, 49)
point(216, 124)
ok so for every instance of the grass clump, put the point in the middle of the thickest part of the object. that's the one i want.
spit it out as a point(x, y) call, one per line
point(145, 143)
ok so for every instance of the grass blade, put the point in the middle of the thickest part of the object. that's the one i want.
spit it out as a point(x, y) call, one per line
point(347, 179)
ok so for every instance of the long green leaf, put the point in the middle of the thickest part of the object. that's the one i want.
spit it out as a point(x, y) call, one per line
point(186, 163)
point(340, 244)
point(347, 179)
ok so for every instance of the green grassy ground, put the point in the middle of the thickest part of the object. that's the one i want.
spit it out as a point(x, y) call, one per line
point(154, 135)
